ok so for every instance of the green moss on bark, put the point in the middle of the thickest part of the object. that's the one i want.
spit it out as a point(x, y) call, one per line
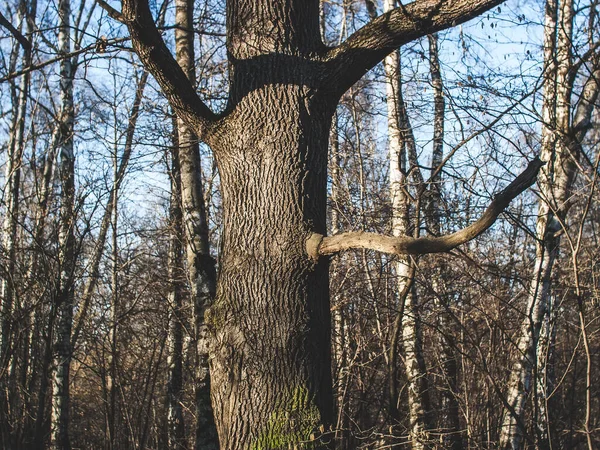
point(293, 426)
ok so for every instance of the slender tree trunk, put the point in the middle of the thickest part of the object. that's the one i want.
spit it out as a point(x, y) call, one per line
point(65, 289)
point(112, 417)
point(11, 196)
point(449, 419)
point(401, 148)
point(200, 264)
point(176, 425)
point(339, 332)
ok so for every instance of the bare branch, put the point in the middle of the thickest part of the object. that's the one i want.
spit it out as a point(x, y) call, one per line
point(112, 12)
point(349, 61)
point(159, 61)
point(16, 33)
point(405, 245)
point(89, 48)
point(582, 119)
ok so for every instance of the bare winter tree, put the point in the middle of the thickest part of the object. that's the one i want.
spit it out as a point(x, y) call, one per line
point(270, 323)
point(565, 122)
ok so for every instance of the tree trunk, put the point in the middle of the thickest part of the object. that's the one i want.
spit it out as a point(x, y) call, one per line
point(270, 322)
point(402, 150)
point(11, 196)
point(271, 319)
point(176, 425)
point(65, 289)
point(338, 343)
point(112, 381)
point(449, 420)
point(200, 264)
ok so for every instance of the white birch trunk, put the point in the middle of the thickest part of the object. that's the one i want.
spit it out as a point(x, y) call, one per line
point(11, 198)
point(65, 291)
point(555, 182)
point(12, 194)
point(398, 141)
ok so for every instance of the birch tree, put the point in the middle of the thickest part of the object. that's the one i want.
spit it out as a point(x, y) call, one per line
point(562, 134)
point(11, 199)
point(65, 284)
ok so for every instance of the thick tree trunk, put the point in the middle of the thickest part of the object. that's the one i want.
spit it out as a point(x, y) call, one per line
point(271, 320)
point(270, 354)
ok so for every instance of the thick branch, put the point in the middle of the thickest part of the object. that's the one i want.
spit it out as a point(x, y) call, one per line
point(405, 245)
point(159, 61)
point(350, 60)
point(16, 33)
point(112, 12)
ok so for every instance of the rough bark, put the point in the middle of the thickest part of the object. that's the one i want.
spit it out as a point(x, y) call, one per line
point(271, 319)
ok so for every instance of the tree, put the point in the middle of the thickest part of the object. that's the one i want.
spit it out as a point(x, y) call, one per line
point(565, 122)
point(270, 322)
point(200, 264)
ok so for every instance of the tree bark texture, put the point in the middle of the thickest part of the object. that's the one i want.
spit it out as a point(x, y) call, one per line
point(271, 319)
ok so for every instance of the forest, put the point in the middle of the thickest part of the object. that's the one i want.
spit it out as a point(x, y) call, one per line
point(299, 224)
